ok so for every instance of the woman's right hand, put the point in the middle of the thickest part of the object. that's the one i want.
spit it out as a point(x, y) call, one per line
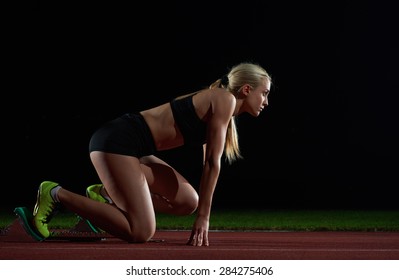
point(199, 233)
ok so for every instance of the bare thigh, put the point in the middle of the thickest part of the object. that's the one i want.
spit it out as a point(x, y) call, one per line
point(126, 184)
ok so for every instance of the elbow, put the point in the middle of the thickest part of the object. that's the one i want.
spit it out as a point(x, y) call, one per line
point(213, 164)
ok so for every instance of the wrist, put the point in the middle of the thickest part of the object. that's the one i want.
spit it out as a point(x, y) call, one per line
point(203, 215)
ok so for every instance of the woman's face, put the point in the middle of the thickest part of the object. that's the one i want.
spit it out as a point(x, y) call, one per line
point(257, 98)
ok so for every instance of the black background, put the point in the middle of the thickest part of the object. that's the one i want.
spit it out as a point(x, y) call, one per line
point(329, 138)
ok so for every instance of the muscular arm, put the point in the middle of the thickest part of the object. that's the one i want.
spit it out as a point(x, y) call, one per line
point(212, 163)
point(222, 110)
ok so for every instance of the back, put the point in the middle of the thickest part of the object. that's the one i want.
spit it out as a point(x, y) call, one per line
point(190, 125)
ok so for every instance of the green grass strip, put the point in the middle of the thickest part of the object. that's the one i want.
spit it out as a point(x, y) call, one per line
point(291, 220)
point(278, 220)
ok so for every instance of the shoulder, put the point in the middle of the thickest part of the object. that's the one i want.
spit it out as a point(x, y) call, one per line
point(214, 102)
point(222, 101)
point(217, 95)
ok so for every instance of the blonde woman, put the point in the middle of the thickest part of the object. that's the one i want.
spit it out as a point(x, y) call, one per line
point(135, 184)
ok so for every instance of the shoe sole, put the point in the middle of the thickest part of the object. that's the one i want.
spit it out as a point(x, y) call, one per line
point(92, 227)
point(25, 218)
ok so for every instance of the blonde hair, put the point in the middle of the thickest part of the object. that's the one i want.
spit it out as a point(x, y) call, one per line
point(238, 76)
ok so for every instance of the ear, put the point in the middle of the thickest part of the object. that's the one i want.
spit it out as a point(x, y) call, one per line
point(246, 89)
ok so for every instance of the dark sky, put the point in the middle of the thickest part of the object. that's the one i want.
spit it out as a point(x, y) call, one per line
point(328, 139)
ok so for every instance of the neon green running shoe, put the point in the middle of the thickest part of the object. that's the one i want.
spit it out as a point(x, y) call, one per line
point(44, 208)
point(94, 192)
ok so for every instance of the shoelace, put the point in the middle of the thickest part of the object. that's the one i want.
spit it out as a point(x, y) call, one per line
point(49, 213)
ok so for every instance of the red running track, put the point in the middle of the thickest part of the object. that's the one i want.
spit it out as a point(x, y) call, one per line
point(236, 245)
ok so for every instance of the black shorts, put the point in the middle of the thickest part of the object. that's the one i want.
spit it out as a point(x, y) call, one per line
point(127, 135)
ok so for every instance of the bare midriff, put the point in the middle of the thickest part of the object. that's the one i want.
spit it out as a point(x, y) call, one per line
point(163, 128)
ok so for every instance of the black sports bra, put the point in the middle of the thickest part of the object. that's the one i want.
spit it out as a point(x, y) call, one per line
point(191, 126)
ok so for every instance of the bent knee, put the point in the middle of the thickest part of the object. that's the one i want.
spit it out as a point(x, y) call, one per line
point(141, 233)
point(188, 206)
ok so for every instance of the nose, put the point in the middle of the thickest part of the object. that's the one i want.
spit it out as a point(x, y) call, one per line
point(266, 102)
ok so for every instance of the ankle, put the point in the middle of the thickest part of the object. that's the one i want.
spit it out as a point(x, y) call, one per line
point(104, 194)
point(54, 193)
